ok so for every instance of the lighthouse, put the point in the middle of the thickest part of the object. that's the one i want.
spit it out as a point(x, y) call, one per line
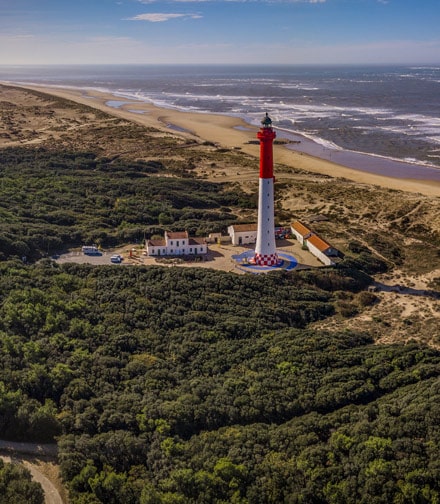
point(265, 250)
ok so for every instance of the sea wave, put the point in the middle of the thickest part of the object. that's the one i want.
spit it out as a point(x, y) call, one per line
point(373, 110)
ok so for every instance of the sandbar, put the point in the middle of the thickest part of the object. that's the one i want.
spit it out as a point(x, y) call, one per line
point(228, 132)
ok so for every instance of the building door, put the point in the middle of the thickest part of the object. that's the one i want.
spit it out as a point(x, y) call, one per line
point(240, 240)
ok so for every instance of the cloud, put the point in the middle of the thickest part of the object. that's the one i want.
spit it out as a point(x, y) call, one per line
point(19, 36)
point(160, 17)
point(148, 2)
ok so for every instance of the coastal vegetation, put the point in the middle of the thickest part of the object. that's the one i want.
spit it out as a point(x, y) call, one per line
point(186, 385)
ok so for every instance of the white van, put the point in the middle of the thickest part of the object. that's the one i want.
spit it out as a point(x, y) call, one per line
point(90, 250)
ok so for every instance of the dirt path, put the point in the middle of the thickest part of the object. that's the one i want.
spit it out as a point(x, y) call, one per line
point(29, 455)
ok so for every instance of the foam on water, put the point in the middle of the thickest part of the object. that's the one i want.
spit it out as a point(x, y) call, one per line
point(388, 111)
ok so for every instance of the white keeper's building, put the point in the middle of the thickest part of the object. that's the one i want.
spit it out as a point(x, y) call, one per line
point(175, 244)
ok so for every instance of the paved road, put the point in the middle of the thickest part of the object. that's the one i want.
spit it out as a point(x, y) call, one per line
point(17, 454)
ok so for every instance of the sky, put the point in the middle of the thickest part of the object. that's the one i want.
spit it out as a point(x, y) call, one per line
point(219, 31)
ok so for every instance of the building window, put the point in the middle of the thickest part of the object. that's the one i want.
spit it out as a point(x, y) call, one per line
point(190, 250)
point(171, 243)
point(177, 243)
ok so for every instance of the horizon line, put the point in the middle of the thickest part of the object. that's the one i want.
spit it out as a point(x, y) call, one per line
point(415, 63)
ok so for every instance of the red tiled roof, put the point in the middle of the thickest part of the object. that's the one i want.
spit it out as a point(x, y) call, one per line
point(301, 228)
point(197, 241)
point(319, 243)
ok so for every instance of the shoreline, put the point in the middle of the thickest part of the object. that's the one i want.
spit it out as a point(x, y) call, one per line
point(230, 132)
point(368, 161)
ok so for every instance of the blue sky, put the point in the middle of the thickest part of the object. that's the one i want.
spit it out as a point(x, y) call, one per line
point(223, 31)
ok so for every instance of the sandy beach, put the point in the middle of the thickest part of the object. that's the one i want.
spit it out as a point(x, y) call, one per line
point(228, 132)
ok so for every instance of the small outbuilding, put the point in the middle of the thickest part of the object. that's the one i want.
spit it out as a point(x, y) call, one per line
point(243, 234)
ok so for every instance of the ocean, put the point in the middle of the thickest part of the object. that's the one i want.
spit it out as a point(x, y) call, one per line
point(382, 119)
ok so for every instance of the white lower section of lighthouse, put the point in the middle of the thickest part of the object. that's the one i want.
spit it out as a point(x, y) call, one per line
point(265, 249)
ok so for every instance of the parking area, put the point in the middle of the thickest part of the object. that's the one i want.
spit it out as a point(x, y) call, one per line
point(78, 257)
point(219, 257)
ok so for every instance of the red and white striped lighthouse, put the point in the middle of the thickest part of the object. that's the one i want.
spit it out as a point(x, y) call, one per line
point(265, 250)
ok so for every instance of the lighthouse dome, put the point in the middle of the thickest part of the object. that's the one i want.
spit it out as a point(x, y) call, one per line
point(267, 121)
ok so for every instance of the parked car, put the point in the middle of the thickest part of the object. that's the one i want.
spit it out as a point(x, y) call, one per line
point(116, 258)
point(91, 250)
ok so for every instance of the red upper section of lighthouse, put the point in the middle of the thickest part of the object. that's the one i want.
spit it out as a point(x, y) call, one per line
point(266, 136)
